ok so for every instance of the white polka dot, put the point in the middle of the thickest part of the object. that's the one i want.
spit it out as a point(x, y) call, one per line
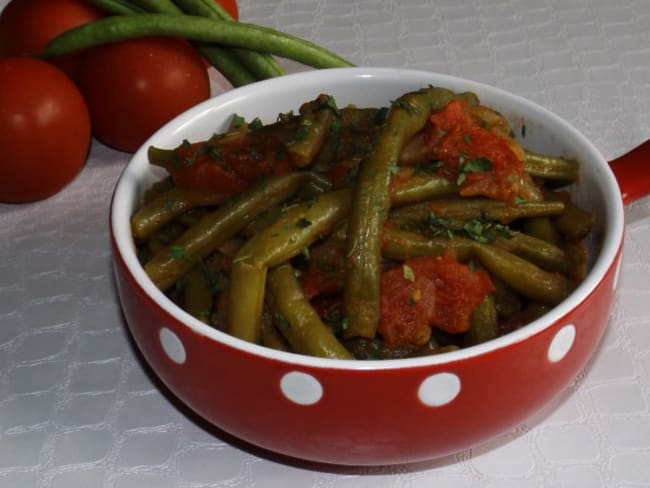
point(301, 388)
point(439, 389)
point(617, 274)
point(172, 345)
point(561, 343)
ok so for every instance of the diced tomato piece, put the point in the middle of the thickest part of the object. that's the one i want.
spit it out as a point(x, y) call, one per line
point(459, 290)
point(429, 292)
point(453, 115)
point(465, 142)
point(407, 307)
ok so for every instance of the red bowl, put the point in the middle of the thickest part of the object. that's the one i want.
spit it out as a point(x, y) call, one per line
point(369, 412)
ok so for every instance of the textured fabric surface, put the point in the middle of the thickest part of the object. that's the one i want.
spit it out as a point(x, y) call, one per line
point(77, 406)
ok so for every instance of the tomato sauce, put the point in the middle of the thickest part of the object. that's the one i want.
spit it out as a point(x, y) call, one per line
point(231, 166)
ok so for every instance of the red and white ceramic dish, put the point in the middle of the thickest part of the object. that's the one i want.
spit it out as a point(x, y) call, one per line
point(372, 412)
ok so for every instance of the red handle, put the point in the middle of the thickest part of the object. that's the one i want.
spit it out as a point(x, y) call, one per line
point(632, 170)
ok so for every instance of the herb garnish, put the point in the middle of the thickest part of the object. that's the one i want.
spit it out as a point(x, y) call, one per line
point(480, 229)
point(408, 273)
point(474, 165)
point(237, 122)
point(177, 252)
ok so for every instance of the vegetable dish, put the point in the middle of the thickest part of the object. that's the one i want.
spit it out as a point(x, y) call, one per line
point(367, 233)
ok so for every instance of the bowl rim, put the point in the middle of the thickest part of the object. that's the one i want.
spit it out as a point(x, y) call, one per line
point(125, 189)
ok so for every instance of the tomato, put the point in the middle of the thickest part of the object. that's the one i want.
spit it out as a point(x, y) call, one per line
point(44, 130)
point(407, 307)
point(482, 161)
point(134, 87)
point(26, 26)
point(429, 291)
point(230, 6)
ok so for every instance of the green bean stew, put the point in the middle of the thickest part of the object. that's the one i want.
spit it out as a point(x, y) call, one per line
point(367, 233)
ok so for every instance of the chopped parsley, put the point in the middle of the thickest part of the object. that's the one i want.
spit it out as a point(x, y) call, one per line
point(520, 200)
point(214, 152)
point(474, 165)
point(479, 229)
point(440, 225)
point(328, 101)
point(301, 134)
point(177, 252)
point(427, 169)
point(237, 122)
point(345, 323)
point(255, 124)
point(408, 273)
point(393, 169)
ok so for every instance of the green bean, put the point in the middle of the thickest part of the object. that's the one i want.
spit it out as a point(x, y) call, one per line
point(193, 215)
point(246, 300)
point(484, 323)
point(158, 6)
point(157, 188)
point(508, 302)
point(579, 255)
point(408, 186)
point(370, 204)
point(221, 58)
point(470, 97)
point(227, 64)
point(117, 7)
point(270, 335)
point(402, 245)
point(224, 59)
point(541, 228)
point(472, 208)
point(313, 188)
point(203, 8)
point(538, 251)
point(218, 226)
point(298, 322)
point(575, 223)
point(523, 276)
point(315, 120)
point(299, 227)
point(237, 34)
point(161, 238)
point(165, 158)
point(261, 65)
point(197, 295)
point(262, 221)
point(166, 207)
point(551, 167)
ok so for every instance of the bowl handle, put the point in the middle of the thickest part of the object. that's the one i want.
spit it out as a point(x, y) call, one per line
point(632, 170)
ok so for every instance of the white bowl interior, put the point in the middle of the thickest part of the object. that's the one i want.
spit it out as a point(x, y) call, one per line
point(374, 87)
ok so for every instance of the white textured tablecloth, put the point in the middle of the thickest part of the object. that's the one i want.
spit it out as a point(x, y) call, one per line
point(77, 407)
